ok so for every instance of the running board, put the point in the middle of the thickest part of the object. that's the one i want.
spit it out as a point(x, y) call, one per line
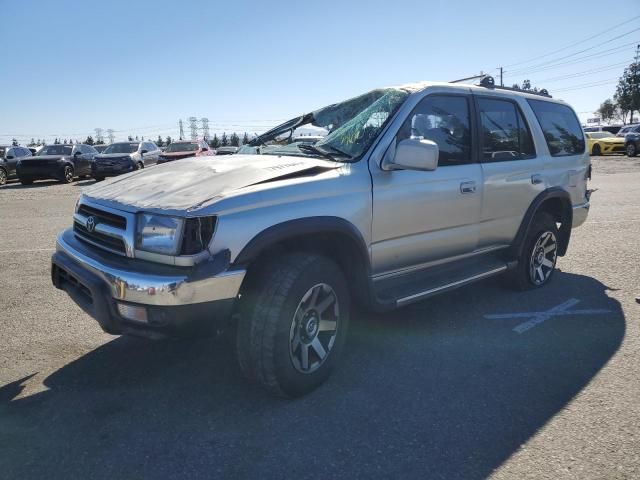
point(449, 286)
point(413, 287)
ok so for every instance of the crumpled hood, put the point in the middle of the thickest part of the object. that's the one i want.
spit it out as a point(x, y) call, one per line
point(193, 182)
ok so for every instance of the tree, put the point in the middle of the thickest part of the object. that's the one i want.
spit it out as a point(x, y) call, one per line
point(159, 141)
point(245, 138)
point(56, 141)
point(130, 138)
point(168, 141)
point(14, 142)
point(32, 143)
point(526, 85)
point(224, 141)
point(214, 142)
point(628, 90)
point(137, 139)
point(100, 142)
point(607, 110)
point(88, 141)
point(234, 140)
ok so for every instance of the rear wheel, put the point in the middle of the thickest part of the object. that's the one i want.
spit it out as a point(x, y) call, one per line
point(3, 176)
point(67, 174)
point(632, 151)
point(596, 150)
point(293, 324)
point(537, 261)
point(139, 166)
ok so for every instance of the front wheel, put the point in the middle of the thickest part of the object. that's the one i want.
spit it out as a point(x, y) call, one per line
point(632, 151)
point(3, 176)
point(537, 261)
point(293, 323)
point(596, 150)
point(67, 174)
point(139, 166)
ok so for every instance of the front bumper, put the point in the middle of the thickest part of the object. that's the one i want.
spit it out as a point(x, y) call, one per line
point(175, 298)
point(40, 172)
point(98, 170)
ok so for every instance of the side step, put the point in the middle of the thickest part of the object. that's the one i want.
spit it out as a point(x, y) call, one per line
point(413, 287)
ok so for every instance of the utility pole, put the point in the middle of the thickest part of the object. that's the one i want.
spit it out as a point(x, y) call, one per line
point(193, 126)
point(110, 135)
point(501, 84)
point(205, 129)
point(181, 126)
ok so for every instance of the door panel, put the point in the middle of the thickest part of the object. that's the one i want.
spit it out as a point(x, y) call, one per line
point(420, 217)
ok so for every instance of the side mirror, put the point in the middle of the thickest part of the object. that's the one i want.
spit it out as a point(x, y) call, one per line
point(10, 157)
point(142, 152)
point(412, 154)
point(77, 153)
point(205, 149)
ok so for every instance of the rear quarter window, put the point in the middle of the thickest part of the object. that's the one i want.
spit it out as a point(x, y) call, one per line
point(560, 127)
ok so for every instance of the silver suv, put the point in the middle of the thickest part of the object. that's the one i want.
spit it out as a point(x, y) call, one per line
point(414, 191)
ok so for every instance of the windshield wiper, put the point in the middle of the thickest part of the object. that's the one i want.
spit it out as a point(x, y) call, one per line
point(307, 147)
point(312, 148)
point(338, 151)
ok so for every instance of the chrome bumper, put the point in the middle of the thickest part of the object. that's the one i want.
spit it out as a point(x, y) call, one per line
point(580, 213)
point(149, 284)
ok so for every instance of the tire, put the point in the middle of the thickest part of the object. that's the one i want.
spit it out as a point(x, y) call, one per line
point(631, 149)
point(298, 303)
point(139, 166)
point(3, 176)
point(67, 174)
point(26, 181)
point(596, 150)
point(537, 262)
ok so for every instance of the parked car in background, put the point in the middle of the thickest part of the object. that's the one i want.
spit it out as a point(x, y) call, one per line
point(226, 150)
point(9, 157)
point(60, 162)
point(635, 128)
point(100, 148)
point(185, 149)
point(632, 143)
point(123, 157)
point(613, 129)
point(602, 143)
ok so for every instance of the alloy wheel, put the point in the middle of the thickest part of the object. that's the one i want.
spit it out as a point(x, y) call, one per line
point(68, 174)
point(543, 258)
point(631, 150)
point(314, 328)
point(3, 177)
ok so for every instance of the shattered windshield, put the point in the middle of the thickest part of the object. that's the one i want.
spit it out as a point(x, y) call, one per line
point(353, 125)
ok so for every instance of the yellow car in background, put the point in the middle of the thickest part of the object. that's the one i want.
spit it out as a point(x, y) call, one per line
point(602, 143)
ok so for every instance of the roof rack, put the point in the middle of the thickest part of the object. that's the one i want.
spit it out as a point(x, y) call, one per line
point(487, 81)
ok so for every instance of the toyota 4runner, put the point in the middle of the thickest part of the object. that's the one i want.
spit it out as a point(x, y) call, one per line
point(416, 190)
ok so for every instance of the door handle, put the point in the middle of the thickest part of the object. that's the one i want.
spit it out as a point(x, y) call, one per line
point(536, 179)
point(468, 187)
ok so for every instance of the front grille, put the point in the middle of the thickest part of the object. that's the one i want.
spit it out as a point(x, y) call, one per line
point(100, 239)
point(39, 163)
point(107, 218)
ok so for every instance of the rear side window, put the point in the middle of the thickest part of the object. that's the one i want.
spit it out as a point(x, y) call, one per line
point(505, 134)
point(560, 126)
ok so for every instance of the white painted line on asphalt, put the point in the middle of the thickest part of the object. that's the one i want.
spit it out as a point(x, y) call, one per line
point(28, 250)
point(536, 318)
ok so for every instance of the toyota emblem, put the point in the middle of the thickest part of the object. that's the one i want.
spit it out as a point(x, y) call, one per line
point(91, 224)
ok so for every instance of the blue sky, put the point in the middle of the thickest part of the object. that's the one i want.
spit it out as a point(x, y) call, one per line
point(139, 66)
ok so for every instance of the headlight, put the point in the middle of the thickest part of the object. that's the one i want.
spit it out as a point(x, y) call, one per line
point(158, 233)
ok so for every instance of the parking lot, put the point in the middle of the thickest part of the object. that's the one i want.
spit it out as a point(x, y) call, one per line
point(478, 382)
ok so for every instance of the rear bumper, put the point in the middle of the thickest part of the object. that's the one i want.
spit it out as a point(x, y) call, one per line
point(580, 213)
point(174, 299)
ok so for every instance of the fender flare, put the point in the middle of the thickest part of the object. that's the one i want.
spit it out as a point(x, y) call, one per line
point(565, 228)
point(302, 227)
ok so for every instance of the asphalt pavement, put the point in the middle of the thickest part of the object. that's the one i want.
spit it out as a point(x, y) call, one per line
point(479, 382)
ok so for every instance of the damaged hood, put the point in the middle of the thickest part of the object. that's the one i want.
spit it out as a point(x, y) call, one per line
point(193, 183)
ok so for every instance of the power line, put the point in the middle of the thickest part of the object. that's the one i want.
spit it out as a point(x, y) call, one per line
point(577, 53)
point(575, 43)
point(589, 85)
point(585, 72)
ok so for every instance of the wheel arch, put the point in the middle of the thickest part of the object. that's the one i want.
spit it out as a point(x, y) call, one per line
point(333, 237)
point(556, 202)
